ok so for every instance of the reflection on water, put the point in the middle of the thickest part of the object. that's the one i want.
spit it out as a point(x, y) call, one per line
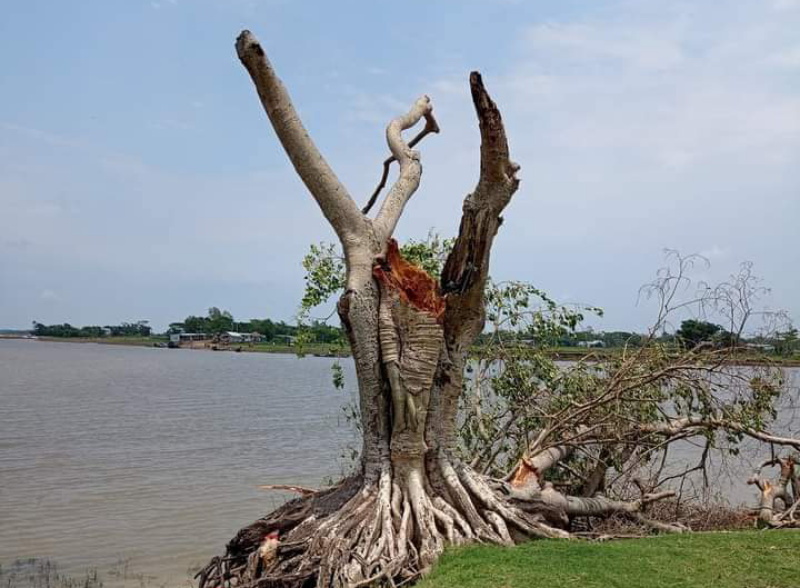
point(144, 462)
point(153, 456)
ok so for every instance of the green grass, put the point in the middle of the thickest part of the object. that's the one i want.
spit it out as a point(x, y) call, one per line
point(745, 559)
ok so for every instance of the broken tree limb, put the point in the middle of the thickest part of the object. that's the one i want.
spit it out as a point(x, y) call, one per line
point(431, 126)
point(410, 168)
point(289, 488)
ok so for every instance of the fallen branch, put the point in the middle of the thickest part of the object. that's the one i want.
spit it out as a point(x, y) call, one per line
point(289, 488)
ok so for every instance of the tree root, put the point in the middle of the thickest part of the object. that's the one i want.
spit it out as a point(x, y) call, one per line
point(390, 531)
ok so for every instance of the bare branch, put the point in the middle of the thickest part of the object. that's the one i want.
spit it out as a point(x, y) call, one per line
point(332, 197)
point(302, 490)
point(410, 167)
point(677, 426)
point(431, 126)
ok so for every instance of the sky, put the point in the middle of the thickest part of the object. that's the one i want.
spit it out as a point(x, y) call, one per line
point(139, 178)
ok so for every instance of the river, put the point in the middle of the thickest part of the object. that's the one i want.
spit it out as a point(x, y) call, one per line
point(144, 462)
point(150, 459)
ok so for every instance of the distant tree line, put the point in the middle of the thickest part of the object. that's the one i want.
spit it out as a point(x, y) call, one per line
point(692, 333)
point(137, 329)
point(219, 321)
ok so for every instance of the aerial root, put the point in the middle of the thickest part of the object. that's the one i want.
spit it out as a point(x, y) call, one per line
point(389, 531)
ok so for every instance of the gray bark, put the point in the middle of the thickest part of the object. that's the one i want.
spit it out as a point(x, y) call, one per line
point(409, 338)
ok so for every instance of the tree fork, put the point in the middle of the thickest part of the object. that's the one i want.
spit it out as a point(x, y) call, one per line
point(409, 337)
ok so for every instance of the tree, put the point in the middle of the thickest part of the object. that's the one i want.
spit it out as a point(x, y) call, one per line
point(787, 342)
point(694, 332)
point(415, 489)
point(219, 321)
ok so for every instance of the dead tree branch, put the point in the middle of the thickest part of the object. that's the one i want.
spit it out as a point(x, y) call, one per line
point(431, 126)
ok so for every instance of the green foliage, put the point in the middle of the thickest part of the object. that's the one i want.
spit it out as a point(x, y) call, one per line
point(512, 379)
point(429, 254)
point(325, 276)
point(215, 322)
point(694, 332)
point(66, 330)
point(338, 375)
point(787, 342)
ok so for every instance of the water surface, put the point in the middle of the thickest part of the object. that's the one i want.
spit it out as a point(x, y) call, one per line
point(111, 453)
point(149, 460)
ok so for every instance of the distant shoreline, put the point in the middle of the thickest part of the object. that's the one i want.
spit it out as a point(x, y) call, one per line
point(316, 349)
point(559, 354)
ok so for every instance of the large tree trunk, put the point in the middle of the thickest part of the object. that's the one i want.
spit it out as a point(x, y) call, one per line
point(409, 337)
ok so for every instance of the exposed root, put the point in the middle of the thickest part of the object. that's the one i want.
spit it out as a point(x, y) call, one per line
point(392, 531)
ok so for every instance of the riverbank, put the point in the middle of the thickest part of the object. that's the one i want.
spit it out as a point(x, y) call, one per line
point(321, 350)
point(315, 349)
point(741, 559)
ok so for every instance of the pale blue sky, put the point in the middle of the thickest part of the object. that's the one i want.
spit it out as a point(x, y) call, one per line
point(139, 178)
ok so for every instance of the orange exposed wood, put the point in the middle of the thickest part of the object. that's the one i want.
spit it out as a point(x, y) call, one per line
point(524, 472)
point(413, 283)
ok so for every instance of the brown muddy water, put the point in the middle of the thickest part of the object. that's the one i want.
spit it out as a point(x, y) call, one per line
point(143, 463)
point(147, 461)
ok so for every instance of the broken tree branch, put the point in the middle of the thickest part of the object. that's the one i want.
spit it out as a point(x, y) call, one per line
point(431, 126)
point(467, 267)
point(410, 168)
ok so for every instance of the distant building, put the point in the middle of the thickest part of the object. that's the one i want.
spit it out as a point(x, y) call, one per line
point(593, 343)
point(179, 338)
point(761, 347)
point(234, 337)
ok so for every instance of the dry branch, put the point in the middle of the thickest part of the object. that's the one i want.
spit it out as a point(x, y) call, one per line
point(431, 126)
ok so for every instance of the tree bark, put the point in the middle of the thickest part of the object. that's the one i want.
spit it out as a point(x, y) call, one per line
point(409, 337)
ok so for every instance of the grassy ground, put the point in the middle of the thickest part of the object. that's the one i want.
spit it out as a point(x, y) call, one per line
point(742, 559)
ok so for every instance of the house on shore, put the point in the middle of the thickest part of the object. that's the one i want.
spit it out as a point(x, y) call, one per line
point(190, 340)
point(233, 338)
point(596, 343)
